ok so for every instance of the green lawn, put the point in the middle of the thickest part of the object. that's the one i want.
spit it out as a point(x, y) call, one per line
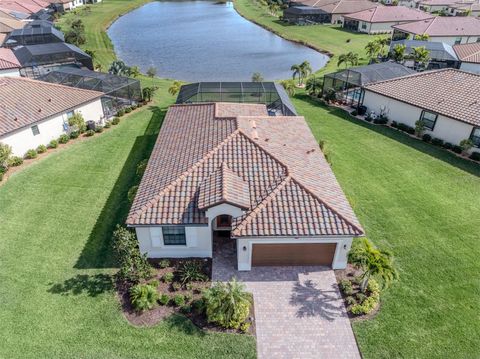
point(423, 204)
point(56, 218)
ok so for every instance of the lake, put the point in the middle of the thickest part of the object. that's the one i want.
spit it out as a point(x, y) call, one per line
point(204, 41)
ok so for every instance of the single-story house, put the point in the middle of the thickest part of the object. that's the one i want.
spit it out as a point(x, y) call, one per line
point(469, 55)
point(441, 54)
point(446, 100)
point(380, 19)
point(451, 30)
point(33, 33)
point(465, 9)
point(66, 5)
point(238, 175)
point(435, 5)
point(33, 113)
point(9, 65)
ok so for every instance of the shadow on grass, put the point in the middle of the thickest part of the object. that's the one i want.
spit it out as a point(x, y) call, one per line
point(93, 285)
point(98, 252)
point(182, 324)
point(427, 148)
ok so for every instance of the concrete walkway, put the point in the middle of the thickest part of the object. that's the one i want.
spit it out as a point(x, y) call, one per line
point(299, 311)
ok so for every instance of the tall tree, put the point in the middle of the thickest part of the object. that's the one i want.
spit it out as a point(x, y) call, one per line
point(152, 72)
point(421, 56)
point(313, 86)
point(373, 49)
point(297, 73)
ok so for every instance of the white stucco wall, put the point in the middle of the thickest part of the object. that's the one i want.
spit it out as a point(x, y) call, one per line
point(10, 73)
point(447, 129)
point(23, 139)
point(451, 39)
point(466, 66)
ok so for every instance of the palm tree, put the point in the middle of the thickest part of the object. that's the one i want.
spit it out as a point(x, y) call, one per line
point(350, 57)
point(398, 52)
point(297, 72)
point(422, 37)
point(134, 71)
point(420, 56)
point(306, 69)
point(151, 72)
point(147, 94)
point(257, 77)
point(382, 42)
point(289, 87)
point(173, 90)
point(273, 8)
point(372, 49)
point(119, 68)
point(373, 262)
point(313, 86)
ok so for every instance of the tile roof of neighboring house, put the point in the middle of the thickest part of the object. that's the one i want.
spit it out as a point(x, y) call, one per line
point(9, 24)
point(29, 6)
point(460, 5)
point(2, 38)
point(437, 2)
point(347, 6)
point(291, 188)
point(8, 60)
point(443, 26)
point(395, 14)
point(24, 101)
point(468, 52)
point(449, 92)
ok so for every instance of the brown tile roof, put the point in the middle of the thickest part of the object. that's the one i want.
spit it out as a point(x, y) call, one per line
point(24, 101)
point(443, 26)
point(437, 2)
point(395, 14)
point(8, 60)
point(7, 25)
point(449, 92)
point(468, 52)
point(347, 6)
point(277, 157)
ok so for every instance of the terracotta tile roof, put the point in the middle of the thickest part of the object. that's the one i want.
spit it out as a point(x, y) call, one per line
point(395, 14)
point(8, 60)
point(437, 2)
point(468, 52)
point(443, 26)
point(191, 166)
point(347, 6)
point(26, 6)
point(9, 24)
point(24, 101)
point(449, 92)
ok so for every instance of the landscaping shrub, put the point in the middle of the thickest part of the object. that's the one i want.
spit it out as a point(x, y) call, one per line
point(437, 141)
point(178, 300)
point(154, 283)
point(41, 149)
point(475, 156)
point(191, 272)
point(198, 306)
point(457, 149)
point(466, 145)
point(53, 144)
point(426, 137)
point(346, 286)
point(128, 109)
point(381, 120)
point(394, 124)
point(168, 277)
point(186, 308)
point(98, 129)
point(369, 301)
point(1, 175)
point(143, 297)
point(227, 304)
point(30, 154)
point(419, 128)
point(89, 133)
point(74, 134)
point(176, 286)
point(164, 263)
point(133, 265)
point(15, 161)
point(368, 118)
point(350, 300)
point(107, 125)
point(64, 138)
point(132, 192)
point(5, 152)
point(354, 113)
point(120, 112)
point(77, 122)
point(410, 130)
point(164, 299)
point(116, 121)
point(244, 327)
point(447, 146)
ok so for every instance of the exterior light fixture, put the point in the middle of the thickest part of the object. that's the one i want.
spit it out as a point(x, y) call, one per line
point(244, 248)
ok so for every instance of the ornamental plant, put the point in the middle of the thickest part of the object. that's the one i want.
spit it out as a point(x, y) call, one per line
point(143, 297)
point(77, 122)
point(5, 152)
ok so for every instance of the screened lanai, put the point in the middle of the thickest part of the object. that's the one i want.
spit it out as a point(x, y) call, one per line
point(119, 91)
point(347, 84)
point(441, 55)
point(35, 32)
point(269, 93)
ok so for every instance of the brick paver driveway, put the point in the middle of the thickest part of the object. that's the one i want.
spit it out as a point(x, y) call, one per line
point(299, 311)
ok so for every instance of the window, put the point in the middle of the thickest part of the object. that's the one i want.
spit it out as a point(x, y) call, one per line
point(364, 25)
point(429, 119)
point(458, 40)
point(35, 130)
point(475, 136)
point(224, 221)
point(174, 236)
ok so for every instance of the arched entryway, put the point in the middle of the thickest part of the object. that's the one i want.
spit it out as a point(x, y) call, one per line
point(222, 242)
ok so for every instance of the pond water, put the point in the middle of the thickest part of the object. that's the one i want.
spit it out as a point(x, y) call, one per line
point(204, 41)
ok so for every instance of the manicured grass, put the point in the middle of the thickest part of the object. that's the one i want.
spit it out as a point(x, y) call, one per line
point(56, 219)
point(329, 38)
point(423, 204)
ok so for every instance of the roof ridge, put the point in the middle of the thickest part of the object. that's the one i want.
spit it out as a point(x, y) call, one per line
point(418, 74)
point(26, 79)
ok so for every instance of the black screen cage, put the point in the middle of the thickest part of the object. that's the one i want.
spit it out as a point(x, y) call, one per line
point(269, 93)
point(35, 32)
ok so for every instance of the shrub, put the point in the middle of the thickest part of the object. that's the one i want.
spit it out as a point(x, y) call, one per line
point(191, 272)
point(5, 152)
point(447, 146)
point(53, 144)
point(164, 263)
point(475, 156)
point(186, 308)
point(419, 128)
point(410, 130)
point(89, 133)
point(466, 145)
point(64, 138)
point(394, 124)
point(350, 300)
point(354, 113)
point(116, 121)
point(154, 283)
point(178, 300)
point(77, 122)
point(120, 112)
point(366, 307)
point(133, 265)
point(107, 125)
point(437, 141)
point(98, 129)
point(198, 306)
point(74, 134)
point(1, 176)
point(360, 297)
point(227, 304)
point(15, 161)
point(457, 149)
point(141, 167)
point(143, 297)
point(41, 149)
point(30, 154)
point(176, 286)
point(168, 277)
point(164, 299)
point(132, 192)
point(244, 327)
point(346, 287)
point(128, 109)
point(381, 120)
point(426, 137)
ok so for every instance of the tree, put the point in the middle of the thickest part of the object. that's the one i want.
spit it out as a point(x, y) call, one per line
point(349, 58)
point(147, 93)
point(119, 68)
point(373, 49)
point(257, 77)
point(297, 72)
point(77, 122)
point(5, 153)
point(313, 86)
point(419, 128)
point(76, 33)
point(373, 262)
point(423, 37)
point(306, 69)
point(273, 8)
point(421, 56)
point(382, 42)
point(398, 52)
point(301, 71)
point(173, 90)
point(134, 71)
point(152, 72)
point(289, 87)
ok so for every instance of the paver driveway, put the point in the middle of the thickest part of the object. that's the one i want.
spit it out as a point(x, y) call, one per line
point(299, 311)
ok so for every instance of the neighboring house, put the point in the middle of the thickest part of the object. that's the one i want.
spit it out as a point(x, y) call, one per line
point(33, 113)
point(66, 5)
point(451, 30)
point(9, 65)
point(465, 9)
point(446, 100)
point(435, 5)
point(229, 172)
point(380, 19)
point(441, 55)
point(22, 8)
point(469, 55)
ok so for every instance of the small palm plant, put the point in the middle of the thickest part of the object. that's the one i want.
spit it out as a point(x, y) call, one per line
point(289, 87)
point(175, 88)
point(373, 262)
point(143, 297)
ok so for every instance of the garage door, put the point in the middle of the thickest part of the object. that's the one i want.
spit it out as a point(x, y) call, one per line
point(295, 254)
